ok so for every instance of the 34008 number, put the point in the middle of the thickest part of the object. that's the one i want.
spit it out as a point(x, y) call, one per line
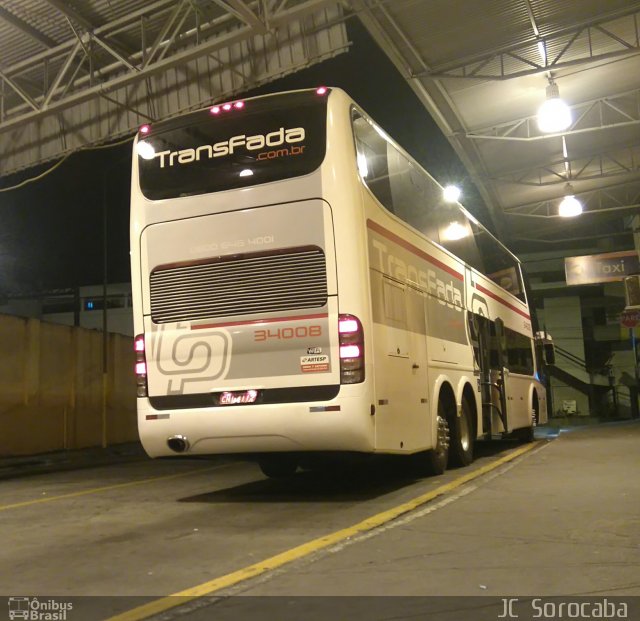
point(284, 334)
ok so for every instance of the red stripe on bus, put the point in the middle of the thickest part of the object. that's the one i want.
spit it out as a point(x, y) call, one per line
point(499, 299)
point(413, 249)
point(256, 322)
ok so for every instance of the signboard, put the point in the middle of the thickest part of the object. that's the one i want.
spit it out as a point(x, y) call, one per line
point(598, 268)
point(630, 318)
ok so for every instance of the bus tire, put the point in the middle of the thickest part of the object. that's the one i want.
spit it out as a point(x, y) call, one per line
point(528, 433)
point(462, 436)
point(278, 466)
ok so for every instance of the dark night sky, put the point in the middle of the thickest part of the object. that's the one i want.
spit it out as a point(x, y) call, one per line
point(51, 230)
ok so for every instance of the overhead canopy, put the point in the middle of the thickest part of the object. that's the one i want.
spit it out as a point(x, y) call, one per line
point(482, 68)
point(77, 73)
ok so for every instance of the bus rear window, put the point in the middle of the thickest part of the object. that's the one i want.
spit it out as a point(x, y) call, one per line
point(266, 139)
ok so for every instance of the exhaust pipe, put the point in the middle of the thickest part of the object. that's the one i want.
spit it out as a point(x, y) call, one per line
point(178, 444)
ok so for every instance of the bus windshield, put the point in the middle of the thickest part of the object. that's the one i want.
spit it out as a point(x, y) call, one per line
point(234, 146)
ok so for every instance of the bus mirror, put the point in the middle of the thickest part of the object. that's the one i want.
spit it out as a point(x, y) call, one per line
point(549, 353)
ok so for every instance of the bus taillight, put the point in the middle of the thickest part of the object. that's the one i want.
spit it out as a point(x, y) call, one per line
point(141, 365)
point(351, 338)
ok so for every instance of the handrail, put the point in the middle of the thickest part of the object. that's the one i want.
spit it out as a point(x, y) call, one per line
point(569, 356)
point(579, 361)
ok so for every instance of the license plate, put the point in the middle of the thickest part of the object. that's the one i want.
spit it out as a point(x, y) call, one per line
point(242, 397)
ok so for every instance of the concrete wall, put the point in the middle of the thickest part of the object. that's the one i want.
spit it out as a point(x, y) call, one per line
point(563, 320)
point(53, 394)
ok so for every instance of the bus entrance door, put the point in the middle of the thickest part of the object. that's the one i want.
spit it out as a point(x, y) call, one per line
point(494, 376)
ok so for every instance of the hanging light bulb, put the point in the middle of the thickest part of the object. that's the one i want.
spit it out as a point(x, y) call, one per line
point(554, 115)
point(570, 206)
point(451, 193)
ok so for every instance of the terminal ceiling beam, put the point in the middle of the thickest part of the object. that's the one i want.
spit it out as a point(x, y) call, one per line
point(612, 198)
point(27, 29)
point(616, 34)
point(159, 59)
point(616, 110)
point(623, 160)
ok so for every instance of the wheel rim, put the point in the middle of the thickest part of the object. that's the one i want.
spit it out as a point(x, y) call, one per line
point(465, 434)
point(442, 445)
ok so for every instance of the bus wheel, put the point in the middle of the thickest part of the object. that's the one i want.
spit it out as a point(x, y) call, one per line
point(434, 462)
point(278, 466)
point(462, 436)
point(527, 434)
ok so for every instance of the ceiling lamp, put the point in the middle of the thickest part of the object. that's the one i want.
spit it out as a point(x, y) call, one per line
point(451, 193)
point(570, 206)
point(554, 115)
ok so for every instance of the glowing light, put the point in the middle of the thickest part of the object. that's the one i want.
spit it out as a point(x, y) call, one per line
point(451, 193)
point(570, 207)
point(139, 344)
point(145, 129)
point(247, 172)
point(226, 107)
point(322, 90)
point(349, 351)
point(455, 231)
point(215, 110)
point(542, 50)
point(141, 368)
point(346, 326)
point(238, 105)
point(554, 115)
point(145, 150)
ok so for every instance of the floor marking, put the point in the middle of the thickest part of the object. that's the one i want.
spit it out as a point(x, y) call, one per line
point(321, 543)
point(107, 488)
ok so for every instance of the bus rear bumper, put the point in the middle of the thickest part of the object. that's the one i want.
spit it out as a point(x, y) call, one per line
point(344, 424)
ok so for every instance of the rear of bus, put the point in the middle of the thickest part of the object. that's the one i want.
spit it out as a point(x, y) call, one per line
point(247, 339)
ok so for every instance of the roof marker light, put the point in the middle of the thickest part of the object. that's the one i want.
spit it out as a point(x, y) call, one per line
point(321, 90)
point(238, 105)
point(145, 129)
point(226, 107)
point(214, 110)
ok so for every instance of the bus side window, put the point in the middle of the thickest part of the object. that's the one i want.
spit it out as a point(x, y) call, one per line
point(519, 352)
point(371, 151)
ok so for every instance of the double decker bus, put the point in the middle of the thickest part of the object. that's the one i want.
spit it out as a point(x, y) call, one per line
point(301, 287)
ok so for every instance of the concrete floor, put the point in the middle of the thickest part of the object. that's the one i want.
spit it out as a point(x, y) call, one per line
point(561, 520)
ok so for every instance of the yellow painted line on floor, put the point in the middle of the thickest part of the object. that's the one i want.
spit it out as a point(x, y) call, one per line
point(106, 488)
point(208, 588)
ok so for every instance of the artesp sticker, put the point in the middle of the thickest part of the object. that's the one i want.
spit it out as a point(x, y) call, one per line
point(314, 364)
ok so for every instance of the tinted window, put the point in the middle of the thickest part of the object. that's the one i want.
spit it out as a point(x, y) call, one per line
point(268, 139)
point(409, 192)
point(519, 352)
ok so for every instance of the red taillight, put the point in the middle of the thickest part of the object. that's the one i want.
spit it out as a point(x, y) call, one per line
point(141, 365)
point(351, 338)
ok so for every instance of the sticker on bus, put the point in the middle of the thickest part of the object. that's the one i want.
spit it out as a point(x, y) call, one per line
point(314, 364)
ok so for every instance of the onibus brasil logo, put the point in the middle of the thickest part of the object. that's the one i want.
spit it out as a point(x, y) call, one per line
point(34, 609)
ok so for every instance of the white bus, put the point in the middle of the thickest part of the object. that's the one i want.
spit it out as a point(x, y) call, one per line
point(300, 286)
